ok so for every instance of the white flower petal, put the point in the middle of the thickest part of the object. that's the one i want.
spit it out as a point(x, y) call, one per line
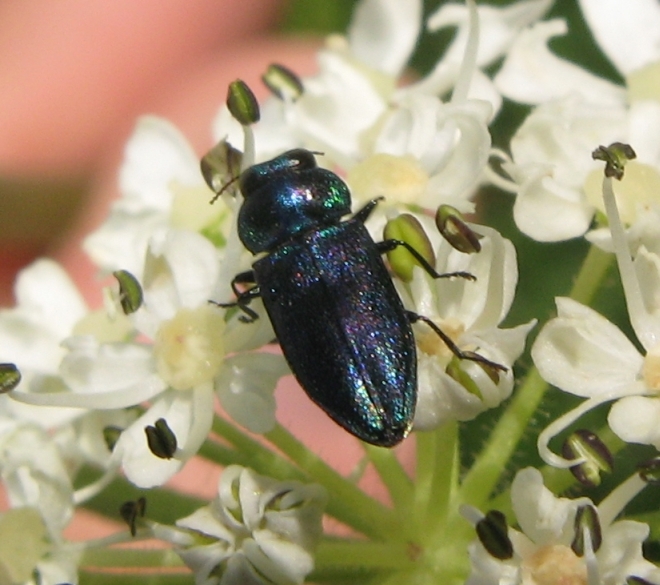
point(329, 116)
point(629, 35)
point(483, 303)
point(647, 270)
point(531, 73)
point(187, 263)
point(462, 168)
point(245, 388)
point(542, 517)
point(440, 398)
point(383, 33)
point(498, 28)
point(644, 127)
point(547, 211)
point(581, 352)
point(155, 155)
point(284, 562)
point(621, 553)
point(120, 243)
point(46, 295)
point(93, 367)
point(636, 419)
point(140, 465)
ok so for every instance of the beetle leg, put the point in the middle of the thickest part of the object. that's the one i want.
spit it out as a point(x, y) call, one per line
point(243, 297)
point(457, 351)
point(389, 245)
point(363, 213)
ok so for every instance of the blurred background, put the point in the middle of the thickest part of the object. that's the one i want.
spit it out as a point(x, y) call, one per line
point(75, 75)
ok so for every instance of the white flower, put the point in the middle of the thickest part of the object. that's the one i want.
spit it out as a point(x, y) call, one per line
point(401, 142)
point(542, 551)
point(582, 353)
point(257, 531)
point(469, 312)
point(193, 352)
point(161, 188)
point(556, 182)
point(49, 310)
point(35, 475)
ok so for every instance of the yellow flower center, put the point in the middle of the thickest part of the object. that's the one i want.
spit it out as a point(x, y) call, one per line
point(189, 348)
point(639, 189)
point(429, 342)
point(644, 84)
point(651, 369)
point(554, 564)
point(399, 179)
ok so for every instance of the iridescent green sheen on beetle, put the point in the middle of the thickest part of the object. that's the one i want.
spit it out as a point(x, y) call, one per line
point(331, 301)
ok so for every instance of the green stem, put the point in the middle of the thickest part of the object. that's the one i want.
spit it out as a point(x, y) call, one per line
point(348, 503)
point(257, 456)
point(425, 451)
point(493, 459)
point(396, 480)
point(593, 271)
point(444, 479)
point(340, 555)
point(130, 558)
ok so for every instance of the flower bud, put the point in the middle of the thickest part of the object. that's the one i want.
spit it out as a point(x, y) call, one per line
point(221, 167)
point(493, 534)
point(131, 512)
point(586, 519)
point(130, 291)
point(453, 228)
point(649, 471)
point(161, 440)
point(585, 444)
point(283, 82)
point(242, 103)
point(407, 228)
point(9, 377)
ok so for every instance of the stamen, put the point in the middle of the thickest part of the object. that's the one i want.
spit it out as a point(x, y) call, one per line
point(469, 63)
point(566, 420)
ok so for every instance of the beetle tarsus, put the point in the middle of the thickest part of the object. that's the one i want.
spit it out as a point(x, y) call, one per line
point(457, 351)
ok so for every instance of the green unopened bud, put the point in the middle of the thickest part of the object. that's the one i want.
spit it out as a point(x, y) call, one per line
point(242, 103)
point(9, 377)
point(283, 82)
point(221, 166)
point(407, 228)
point(111, 435)
point(493, 534)
point(585, 444)
point(131, 512)
point(649, 471)
point(586, 520)
point(455, 230)
point(161, 440)
point(130, 291)
point(616, 155)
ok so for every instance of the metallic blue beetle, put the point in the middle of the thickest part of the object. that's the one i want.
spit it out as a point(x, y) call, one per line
point(330, 299)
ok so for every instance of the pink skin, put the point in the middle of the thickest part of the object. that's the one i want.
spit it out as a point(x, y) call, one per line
point(76, 75)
